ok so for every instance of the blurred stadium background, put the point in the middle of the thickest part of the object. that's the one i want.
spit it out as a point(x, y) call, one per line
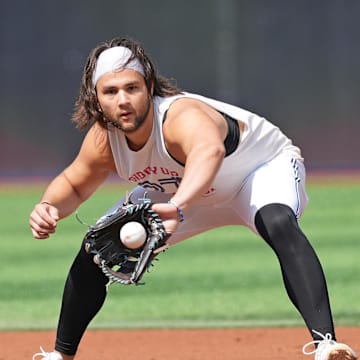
point(295, 62)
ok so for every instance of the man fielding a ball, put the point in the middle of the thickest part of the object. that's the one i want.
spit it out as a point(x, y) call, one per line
point(203, 163)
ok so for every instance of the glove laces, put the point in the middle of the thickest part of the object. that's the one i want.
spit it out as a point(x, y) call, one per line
point(327, 338)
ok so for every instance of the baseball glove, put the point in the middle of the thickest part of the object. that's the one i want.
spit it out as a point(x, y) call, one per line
point(119, 263)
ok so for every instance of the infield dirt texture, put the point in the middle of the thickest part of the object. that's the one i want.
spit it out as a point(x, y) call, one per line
point(219, 344)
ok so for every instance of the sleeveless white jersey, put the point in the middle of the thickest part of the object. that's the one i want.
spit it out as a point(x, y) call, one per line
point(154, 169)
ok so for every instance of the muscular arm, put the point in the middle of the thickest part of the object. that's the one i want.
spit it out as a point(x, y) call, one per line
point(194, 136)
point(75, 184)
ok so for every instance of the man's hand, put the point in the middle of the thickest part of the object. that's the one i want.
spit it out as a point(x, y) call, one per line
point(43, 220)
point(169, 216)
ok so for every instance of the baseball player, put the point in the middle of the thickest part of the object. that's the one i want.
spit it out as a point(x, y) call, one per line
point(203, 163)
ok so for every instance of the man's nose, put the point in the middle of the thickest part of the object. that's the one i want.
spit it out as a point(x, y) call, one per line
point(122, 98)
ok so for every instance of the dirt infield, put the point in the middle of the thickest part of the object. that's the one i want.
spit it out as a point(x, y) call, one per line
point(219, 344)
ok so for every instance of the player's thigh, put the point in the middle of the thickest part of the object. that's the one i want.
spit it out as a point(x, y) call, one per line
point(200, 219)
point(281, 180)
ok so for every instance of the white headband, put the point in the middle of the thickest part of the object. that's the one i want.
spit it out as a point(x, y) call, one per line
point(113, 59)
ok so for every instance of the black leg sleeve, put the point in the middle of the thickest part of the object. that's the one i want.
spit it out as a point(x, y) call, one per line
point(84, 295)
point(302, 272)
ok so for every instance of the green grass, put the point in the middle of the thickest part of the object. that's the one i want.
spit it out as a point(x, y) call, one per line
point(227, 277)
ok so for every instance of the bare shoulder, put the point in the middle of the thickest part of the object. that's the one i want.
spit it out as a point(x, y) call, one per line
point(96, 147)
point(192, 114)
point(185, 106)
point(97, 136)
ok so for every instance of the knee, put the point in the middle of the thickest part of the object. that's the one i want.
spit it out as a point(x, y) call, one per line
point(276, 221)
point(84, 274)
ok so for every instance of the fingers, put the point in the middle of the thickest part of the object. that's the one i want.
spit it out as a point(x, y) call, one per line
point(169, 216)
point(165, 210)
point(43, 220)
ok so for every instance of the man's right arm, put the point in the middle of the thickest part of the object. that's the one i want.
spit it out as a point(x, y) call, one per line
point(75, 184)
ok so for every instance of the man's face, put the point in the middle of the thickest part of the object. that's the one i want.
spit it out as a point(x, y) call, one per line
point(124, 99)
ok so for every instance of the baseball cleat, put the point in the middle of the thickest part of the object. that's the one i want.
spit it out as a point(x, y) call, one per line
point(47, 356)
point(328, 349)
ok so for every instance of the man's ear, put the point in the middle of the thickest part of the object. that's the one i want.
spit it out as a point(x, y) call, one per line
point(152, 89)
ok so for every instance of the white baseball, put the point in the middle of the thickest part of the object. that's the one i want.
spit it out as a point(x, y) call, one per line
point(133, 235)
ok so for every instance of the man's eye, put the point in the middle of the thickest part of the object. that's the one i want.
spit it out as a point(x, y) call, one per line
point(111, 91)
point(132, 88)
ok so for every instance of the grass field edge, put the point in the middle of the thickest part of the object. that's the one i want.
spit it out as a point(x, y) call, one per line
point(176, 324)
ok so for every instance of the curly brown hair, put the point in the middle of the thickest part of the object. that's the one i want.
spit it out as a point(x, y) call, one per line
point(87, 111)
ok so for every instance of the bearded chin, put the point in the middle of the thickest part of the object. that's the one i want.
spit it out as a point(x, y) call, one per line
point(139, 121)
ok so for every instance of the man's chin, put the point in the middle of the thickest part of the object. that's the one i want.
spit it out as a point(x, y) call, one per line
point(128, 129)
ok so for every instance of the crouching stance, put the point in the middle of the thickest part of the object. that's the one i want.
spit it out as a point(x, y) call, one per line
point(203, 164)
